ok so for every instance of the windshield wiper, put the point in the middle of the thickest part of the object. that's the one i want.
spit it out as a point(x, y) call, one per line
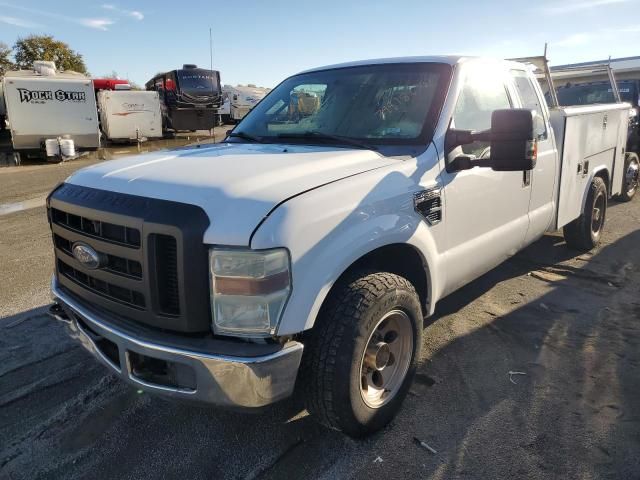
point(245, 136)
point(326, 136)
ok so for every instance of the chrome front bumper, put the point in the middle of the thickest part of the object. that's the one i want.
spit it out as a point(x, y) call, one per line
point(224, 380)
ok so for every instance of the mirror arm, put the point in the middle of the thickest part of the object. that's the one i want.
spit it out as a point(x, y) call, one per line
point(482, 136)
point(466, 162)
point(456, 137)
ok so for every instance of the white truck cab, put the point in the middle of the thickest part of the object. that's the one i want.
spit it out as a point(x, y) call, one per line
point(307, 248)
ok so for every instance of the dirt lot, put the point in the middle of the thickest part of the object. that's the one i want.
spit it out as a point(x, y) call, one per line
point(569, 323)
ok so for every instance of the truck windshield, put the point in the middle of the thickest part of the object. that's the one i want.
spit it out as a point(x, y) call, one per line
point(592, 93)
point(199, 83)
point(392, 104)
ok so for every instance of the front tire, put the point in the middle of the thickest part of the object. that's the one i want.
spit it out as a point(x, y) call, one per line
point(585, 231)
point(631, 177)
point(361, 356)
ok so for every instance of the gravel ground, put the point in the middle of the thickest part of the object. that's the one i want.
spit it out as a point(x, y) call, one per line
point(570, 323)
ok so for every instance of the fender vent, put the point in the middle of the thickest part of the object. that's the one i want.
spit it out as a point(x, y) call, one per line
point(428, 203)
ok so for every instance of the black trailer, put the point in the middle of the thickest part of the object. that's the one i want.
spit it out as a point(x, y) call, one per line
point(189, 97)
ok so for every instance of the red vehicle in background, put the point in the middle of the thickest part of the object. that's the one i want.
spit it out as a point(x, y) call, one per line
point(108, 83)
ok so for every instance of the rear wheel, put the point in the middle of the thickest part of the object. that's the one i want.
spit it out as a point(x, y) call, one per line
point(631, 177)
point(361, 356)
point(585, 231)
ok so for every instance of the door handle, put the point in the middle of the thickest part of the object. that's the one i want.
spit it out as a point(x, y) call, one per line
point(526, 178)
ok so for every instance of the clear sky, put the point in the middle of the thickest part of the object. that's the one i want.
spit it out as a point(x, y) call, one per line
point(262, 42)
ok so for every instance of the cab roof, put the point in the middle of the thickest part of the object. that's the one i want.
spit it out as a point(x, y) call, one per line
point(445, 59)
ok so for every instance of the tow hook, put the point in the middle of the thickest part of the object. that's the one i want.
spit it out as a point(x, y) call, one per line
point(57, 312)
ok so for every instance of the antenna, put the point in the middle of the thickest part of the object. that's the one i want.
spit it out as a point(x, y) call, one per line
point(213, 93)
point(211, 47)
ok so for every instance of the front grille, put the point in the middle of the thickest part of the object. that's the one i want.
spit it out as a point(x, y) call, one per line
point(166, 260)
point(96, 229)
point(102, 288)
point(115, 264)
point(153, 264)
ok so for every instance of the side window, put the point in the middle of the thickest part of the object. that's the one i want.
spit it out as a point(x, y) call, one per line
point(530, 99)
point(482, 93)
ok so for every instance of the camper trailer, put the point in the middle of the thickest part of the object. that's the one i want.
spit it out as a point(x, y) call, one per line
point(239, 100)
point(189, 97)
point(45, 104)
point(129, 115)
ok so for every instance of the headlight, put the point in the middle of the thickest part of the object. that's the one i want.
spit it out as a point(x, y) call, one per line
point(249, 290)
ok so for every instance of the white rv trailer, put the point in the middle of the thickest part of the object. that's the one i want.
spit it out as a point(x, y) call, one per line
point(239, 100)
point(43, 104)
point(130, 115)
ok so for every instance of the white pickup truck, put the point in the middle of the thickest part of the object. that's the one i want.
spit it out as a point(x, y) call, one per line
point(306, 250)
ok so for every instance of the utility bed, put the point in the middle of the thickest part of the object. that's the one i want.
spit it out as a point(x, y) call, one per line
point(596, 132)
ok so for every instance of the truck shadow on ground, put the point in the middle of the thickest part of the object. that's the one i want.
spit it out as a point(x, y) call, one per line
point(571, 410)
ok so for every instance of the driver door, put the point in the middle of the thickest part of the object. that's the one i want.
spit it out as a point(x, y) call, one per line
point(486, 212)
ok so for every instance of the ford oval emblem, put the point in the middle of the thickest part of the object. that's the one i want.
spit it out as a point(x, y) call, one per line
point(86, 255)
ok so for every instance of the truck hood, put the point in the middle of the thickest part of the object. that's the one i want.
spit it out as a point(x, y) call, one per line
point(237, 185)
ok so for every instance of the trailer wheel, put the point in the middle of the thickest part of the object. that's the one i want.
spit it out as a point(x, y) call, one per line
point(631, 177)
point(361, 356)
point(585, 231)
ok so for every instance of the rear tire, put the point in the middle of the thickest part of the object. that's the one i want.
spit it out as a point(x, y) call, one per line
point(361, 355)
point(631, 177)
point(585, 231)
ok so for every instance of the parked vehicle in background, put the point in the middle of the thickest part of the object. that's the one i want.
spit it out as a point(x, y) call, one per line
point(308, 249)
point(239, 100)
point(189, 97)
point(592, 83)
point(107, 83)
point(45, 104)
point(130, 115)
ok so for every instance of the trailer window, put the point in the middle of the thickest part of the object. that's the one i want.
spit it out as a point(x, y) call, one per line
point(529, 99)
point(482, 93)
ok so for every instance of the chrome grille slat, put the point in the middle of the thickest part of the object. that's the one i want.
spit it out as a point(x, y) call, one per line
point(105, 231)
point(115, 264)
point(100, 245)
point(98, 286)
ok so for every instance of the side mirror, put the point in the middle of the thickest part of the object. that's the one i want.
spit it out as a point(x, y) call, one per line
point(513, 140)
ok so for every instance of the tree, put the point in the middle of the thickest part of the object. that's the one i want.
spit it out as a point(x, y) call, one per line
point(113, 75)
point(5, 58)
point(45, 47)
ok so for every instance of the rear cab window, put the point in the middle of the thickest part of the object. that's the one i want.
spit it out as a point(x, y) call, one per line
point(530, 99)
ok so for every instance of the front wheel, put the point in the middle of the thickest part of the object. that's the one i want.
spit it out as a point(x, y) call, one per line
point(631, 177)
point(361, 356)
point(585, 231)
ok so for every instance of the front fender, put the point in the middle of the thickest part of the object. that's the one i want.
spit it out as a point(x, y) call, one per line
point(328, 229)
